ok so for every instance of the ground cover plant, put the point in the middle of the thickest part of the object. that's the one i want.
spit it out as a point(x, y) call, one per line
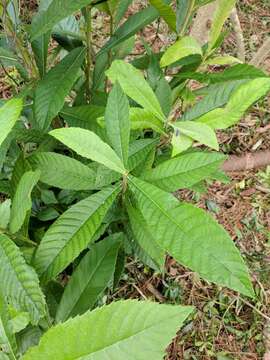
point(93, 146)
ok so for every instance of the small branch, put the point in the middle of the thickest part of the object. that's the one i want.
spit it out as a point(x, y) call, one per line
point(87, 16)
point(155, 292)
point(200, 28)
point(240, 42)
point(8, 75)
point(247, 162)
point(262, 54)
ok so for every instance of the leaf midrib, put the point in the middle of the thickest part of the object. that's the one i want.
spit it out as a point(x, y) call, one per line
point(130, 337)
point(75, 233)
point(178, 226)
point(19, 282)
point(89, 281)
point(180, 172)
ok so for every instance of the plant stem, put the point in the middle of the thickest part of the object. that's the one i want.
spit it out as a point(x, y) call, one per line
point(87, 16)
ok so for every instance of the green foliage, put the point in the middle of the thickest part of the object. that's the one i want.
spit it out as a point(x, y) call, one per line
point(9, 114)
point(91, 148)
point(117, 122)
point(71, 233)
point(90, 278)
point(117, 330)
point(52, 89)
point(179, 229)
point(135, 86)
point(180, 49)
point(19, 282)
point(224, 7)
point(88, 144)
point(22, 204)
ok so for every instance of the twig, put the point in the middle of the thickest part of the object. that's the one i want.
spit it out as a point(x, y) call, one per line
point(247, 161)
point(87, 16)
point(139, 291)
point(262, 130)
point(261, 54)
point(8, 75)
point(240, 42)
point(155, 292)
point(267, 318)
point(262, 189)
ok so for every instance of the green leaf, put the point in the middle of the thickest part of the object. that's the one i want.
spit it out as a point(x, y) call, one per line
point(233, 73)
point(9, 114)
point(19, 320)
point(166, 12)
point(21, 166)
point(203, 134)
point(139, 150)
point(183, 11)
point(184, 171)
point(241, 99)
point(192, 237)
point(164, 94)
point(89, 279)
point(19, 282)
point(87, 144)
point(135, 86)
point(180, 143)
point(7, 338)
point(22, 203)
point(54, 87)
point(4, 213)
point(143, 236)
point(82, 116)
point(181, 48)
point(117, 122)
point(217, 95)
point(62, 171)
point(40, 46)
point(71, 233)
point(56, 11)
point(222, 60)
point(9, 59)
point(144, 119)
point(122, 330)
point(224, 8)
point(130, 27)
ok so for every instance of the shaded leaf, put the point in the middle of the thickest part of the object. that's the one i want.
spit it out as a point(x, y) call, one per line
point(117, 122)
point(130, 27)
point(5, 213)
point(56, 11)
point(22, 202)
point(19, 282)
point(54, 87)
point(89, 279)
point(144, 236)
point(71, 233)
